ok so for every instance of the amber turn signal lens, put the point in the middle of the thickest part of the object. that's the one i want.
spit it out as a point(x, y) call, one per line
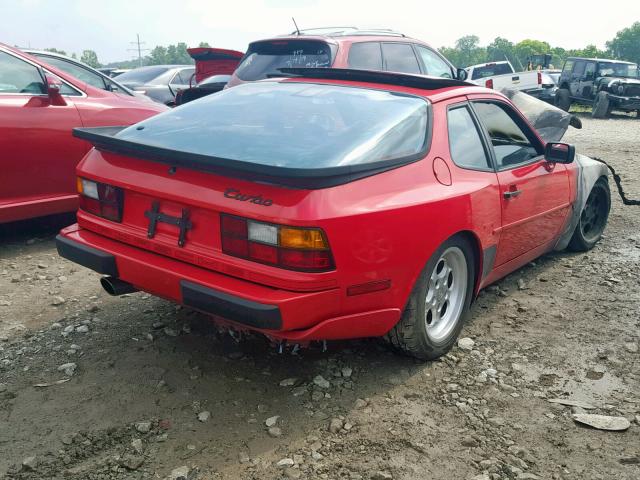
point(79, 185)
point(303, 238)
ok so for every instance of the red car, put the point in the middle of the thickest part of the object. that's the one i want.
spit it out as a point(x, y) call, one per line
point(343, 47)
point(333, 205)
point(39, 107)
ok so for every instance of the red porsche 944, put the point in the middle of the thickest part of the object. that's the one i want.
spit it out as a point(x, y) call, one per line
point(332, 204)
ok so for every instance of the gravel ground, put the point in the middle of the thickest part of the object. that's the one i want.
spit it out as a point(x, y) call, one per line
point(134, 387)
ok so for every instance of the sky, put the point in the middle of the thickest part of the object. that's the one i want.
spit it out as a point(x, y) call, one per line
point(109, 26)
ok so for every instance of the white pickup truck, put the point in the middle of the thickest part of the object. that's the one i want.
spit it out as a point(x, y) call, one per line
point(501, 75)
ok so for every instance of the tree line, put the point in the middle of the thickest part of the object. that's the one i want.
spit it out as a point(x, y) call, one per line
point(467, 50)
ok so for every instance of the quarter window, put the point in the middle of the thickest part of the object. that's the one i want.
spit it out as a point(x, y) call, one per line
point(434, 65)
point(399, 57)
point(365, 56)
point(465, 145)
point(18, 76)
point(510, 143)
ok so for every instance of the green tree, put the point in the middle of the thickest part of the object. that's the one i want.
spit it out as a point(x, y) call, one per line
point(502, 49)
point(157, 56)
point(177, 54)
point(90, 58)
point(204, 45)
point(530, 47)
point(470, 50)
point(626, 44)
point(55, 50)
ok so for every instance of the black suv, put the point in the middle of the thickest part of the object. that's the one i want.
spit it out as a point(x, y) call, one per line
point(604, 84)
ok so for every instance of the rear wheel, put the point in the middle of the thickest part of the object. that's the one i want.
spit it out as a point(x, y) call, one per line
point(439, 302)
point(593, 218)
point(601, 106)
point(563, 99)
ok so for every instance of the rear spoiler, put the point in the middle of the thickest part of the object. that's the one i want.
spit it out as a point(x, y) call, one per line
point(106, 139)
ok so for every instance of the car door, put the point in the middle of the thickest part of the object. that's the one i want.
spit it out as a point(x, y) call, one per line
point(576, 77)
point(39, 155)
point(585, 85)
point(535, 194)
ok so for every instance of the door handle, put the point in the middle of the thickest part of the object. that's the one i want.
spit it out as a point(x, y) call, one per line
point(512, 193)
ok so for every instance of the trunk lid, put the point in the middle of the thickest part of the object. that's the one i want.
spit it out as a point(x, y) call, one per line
point(214, 61)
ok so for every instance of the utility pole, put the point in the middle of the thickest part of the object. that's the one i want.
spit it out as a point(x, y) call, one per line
point(138, 48)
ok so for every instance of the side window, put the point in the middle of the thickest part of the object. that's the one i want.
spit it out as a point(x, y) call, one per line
point(18, 76)
point(365, 56)
point(399, 57)
point(568, 66)
point(467, 150)
point(578, 69)
point(590, 71)
point(434, 65)
point(81, 73)
point(510, 142)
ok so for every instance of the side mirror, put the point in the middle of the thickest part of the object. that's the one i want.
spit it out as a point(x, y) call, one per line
point(54, 86)
point(559, 152)
point(461, 74)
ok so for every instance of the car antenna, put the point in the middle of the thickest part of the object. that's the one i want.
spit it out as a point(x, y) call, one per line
point(296, 25)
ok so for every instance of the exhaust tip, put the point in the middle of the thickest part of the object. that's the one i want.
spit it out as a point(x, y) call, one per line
point(114, 286)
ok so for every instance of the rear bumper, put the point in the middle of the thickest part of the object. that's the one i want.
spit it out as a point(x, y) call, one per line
point(296, 316)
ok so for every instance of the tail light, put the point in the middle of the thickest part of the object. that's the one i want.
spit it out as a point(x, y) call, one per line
point(489, 83)
point(539, 78)
point(100, 199)
point(293, 248)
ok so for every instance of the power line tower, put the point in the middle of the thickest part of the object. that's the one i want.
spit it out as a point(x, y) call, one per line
point(138, 48)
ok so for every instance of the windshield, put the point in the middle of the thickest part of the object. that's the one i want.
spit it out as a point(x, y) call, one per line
point(490, 70)
point(611, 69)
point(265, 58)
point(292, 124)
point(142, 75)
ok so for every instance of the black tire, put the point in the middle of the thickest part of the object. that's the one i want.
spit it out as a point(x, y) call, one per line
point(593, 218)
point(601, 106)
point(563, 99)
point(411, 334)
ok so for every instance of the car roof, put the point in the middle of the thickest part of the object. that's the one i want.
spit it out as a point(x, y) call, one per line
point(601, 60)
point(357, 36)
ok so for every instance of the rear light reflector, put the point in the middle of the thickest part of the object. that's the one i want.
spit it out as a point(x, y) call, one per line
point(100, 199)
point(489, 83)
point(369, 287)
point(539, 78)
point(303, 249)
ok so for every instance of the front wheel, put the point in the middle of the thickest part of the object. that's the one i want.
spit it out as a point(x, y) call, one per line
point(601, 106)
point(438, 304)
point(593, 218)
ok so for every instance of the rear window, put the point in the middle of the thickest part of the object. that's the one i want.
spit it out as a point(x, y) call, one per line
point(142, 75)
point(265, 58)
point(491, 70)
point(293, 125)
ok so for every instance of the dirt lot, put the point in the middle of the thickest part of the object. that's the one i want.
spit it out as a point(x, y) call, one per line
point(150, 387)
